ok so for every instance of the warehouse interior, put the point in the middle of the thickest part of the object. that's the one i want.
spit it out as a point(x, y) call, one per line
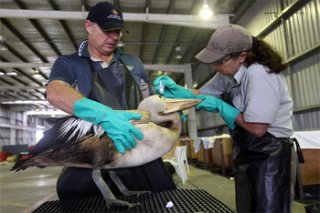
point(166, 35)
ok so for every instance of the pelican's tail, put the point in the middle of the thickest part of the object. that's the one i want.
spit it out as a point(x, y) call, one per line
point(36, 160)
point(90, 151)
point(20, 165)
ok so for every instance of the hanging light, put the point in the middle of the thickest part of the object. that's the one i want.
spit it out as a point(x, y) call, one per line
point(205, 12)
point(36, 74)
point(3, 47)
point(121, 44)
point(178, 52)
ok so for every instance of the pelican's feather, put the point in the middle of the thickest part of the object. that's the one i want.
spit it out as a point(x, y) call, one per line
point(79, 129)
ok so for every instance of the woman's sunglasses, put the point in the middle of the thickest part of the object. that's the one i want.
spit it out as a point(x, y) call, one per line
point(222, 60)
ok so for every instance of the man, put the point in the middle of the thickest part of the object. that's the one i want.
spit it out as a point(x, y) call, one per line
point(91, 84)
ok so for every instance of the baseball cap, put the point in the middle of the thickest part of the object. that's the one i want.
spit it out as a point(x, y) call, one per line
point(225, 40)
point(106, 16)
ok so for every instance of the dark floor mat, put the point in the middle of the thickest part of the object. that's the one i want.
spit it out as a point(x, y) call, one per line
point(184, 200)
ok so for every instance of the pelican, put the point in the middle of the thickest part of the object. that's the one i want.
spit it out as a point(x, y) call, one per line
point(81, 144)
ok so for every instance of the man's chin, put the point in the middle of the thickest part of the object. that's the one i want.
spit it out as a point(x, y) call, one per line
point(109, 49)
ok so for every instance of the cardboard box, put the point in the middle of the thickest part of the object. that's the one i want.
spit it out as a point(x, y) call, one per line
point(222, 153)
point(204, 156)
point(310, 169)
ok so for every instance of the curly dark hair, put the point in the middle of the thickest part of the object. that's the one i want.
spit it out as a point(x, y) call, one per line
point(262, 53)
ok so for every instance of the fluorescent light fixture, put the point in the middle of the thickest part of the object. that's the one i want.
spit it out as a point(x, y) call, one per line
point(205, 12)
point(51, 113)
point(11, 73)
point(26, 102)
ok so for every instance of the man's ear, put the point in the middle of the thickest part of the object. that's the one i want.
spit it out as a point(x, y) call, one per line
point(88, 25)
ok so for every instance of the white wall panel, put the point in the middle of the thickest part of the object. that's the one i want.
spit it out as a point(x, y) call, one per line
point(306, 121)
point(259, 15)
point(277, 40)
point(304, 29)
point(305, 87)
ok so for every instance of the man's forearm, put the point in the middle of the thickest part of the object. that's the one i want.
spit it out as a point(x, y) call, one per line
point(62, 96)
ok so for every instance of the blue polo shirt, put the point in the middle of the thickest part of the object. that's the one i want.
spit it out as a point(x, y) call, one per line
point(75, 70)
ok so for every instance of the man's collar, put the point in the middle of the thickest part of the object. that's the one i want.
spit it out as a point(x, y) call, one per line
point(83, 51)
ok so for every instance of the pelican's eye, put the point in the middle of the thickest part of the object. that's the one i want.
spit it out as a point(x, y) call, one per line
point(166, 124)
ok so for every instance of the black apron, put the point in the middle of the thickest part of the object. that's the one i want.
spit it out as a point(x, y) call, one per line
point(262, 171)
point(115, 87)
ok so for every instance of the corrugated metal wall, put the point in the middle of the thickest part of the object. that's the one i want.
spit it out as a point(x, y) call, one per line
point(15, 129)
point(293, 28)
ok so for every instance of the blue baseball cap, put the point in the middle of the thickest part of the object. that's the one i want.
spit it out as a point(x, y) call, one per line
point(106, 16)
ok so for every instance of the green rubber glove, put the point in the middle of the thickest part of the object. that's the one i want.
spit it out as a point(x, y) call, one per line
point(115, 123)
point(213, 104)
point(171, 89)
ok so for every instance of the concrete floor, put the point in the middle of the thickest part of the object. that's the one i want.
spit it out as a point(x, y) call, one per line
point(24, 191)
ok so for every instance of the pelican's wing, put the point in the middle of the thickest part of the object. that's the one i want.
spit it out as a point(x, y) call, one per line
point(66, 130)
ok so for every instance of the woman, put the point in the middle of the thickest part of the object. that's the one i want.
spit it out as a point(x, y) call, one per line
point(251, 95)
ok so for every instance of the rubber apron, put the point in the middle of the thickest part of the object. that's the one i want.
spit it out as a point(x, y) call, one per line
point(115, 87)
point(262, 171)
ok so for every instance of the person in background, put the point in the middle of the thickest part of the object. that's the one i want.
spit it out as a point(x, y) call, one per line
point(252, 97)
point(95, 84)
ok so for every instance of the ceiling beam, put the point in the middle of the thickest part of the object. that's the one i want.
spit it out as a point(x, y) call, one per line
point(155, 67)
point(170, 19)
point(20, 87)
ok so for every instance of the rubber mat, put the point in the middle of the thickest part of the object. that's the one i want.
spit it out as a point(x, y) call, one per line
point(184, 200)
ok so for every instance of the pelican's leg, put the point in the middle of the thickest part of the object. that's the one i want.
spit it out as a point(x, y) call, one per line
point(106, 192)
point(123, 189)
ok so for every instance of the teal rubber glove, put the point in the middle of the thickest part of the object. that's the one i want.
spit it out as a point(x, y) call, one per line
point(213, 104)
point(115, 123)
point(183, 117)
point(171, 89)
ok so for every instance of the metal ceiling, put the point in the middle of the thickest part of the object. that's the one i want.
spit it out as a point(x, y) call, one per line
point(33, 33)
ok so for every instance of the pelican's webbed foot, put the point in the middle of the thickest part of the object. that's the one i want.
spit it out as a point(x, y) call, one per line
point(107, 193)
point(122, 188)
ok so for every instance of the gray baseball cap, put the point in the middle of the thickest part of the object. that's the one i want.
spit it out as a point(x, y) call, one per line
point(225, 40)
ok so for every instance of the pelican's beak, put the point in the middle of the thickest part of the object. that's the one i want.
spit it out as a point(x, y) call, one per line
point(175, 105)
